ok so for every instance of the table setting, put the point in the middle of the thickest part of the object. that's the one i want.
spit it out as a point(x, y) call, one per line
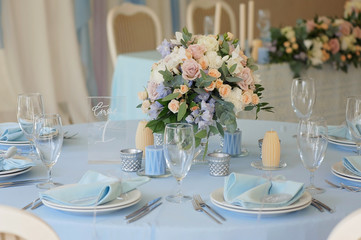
point(154, 188)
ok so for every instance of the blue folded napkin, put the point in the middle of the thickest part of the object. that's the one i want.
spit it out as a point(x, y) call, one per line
point(339, 131)
point(353, 164)
point(14, 163)
point(93, 189)
point(257, 192)
point(11, 132)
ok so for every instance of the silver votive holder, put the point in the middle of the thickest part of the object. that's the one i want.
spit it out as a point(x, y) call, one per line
point(219, 164)
point(158, 139)
point(131, 159)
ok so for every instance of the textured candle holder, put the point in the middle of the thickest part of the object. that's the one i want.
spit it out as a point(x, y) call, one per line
point(232, 143)
point(154, 160)
point(131, 159)
point(158, 139)
point(219, 164)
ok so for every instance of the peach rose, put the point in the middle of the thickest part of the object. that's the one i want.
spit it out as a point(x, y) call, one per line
point(224, 90)
point(173, 106)
point(357, 32)
point(334, 45)
point(194, 108)
point(211, 86)
point(246, 75)
point(325, 56)
point(286, 44)
point(343, 58)
point(289, 50)
point(191, 69)
point(345, 28)
point(295, 46)
point(203, 61)
point(184, 89)
point(197, 50)
point(219, 83)
point(255, 99)
point(188, 54)
point(177, 90)
point(214, 73)
point(142, 95)
point(246, 97)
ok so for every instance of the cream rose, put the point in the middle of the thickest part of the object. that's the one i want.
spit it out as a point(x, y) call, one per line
point(142, 95)
point(173, 106)
point(145, 106)
point(209, 42)
point(191, 69)
point(214, 60)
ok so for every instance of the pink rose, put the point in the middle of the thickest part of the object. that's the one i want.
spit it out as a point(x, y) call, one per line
point(345, 28)
point(246, 75)
point(334, 45)
point(310, 25)
point(357, 32)
point(325, 20)
point(197, 50)
point(152, 90)
point(242, 85)
point(190, 69)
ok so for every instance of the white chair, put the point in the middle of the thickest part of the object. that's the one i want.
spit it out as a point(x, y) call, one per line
point(198, 9)
point(20, 224)
point(132, 28)
point(348, 228)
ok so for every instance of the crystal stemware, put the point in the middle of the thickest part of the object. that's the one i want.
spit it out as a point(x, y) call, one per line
point(179, 144)
point(303, 95)
point(48, 139)
point(312, 145)
point(29, 105)
point(353, 120)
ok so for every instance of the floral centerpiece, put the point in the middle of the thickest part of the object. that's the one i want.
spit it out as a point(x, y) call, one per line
point(202, 80)
point(321, 40)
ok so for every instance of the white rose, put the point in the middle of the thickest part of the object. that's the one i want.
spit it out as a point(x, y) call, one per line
point(155, 76)
point(308, 43)
point(348, 43)
point(142, 95)
point(235, 97)
point(179, 37)
point(316, 53)
point(214, 60)
point(209, 42)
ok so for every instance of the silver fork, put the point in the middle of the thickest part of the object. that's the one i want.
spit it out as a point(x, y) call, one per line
point(198, 208)
point(66, 136)
point(198, 198)
point(31, 204)
point(343, 186)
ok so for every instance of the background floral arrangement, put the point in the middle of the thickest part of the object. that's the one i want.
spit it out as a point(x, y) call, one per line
point(202, 80)
point(321, 40)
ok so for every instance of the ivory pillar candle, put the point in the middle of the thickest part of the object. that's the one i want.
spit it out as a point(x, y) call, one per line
point(271, 150)
point(143, 136)
point(250, 23)
point(242, 26)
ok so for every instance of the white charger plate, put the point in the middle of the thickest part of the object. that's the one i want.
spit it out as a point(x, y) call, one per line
point(341, 141)
point(132, 198)
point(218, 200)
point(340, 171)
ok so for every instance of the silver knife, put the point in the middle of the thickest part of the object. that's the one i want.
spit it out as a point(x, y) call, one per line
point(323, 205)
point(150, 203)
point(148, 210)
point(20, 183)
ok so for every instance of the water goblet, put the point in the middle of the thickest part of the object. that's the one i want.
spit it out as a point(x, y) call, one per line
point(353, 120)
point(29, 105)
point(48, 139)
point(303, 95)
point(312, 145)
point(179, 145)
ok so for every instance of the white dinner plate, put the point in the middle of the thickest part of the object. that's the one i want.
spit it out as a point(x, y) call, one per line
point(218, 200)
point(132, 198)
point(341, 141)
point(14, 172)
point(340, 171)
point(14, 142)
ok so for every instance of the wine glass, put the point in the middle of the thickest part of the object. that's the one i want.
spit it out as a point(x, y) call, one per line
point(312, 145)
point(29, 105)
point(353, 120)
point(178, 148)
point(264, 24)
point(303, 95)
point(48, 139)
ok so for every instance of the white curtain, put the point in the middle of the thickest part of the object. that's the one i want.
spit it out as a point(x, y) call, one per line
point(41, 54)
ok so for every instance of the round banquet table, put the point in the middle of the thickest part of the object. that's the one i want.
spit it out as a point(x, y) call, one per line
point(181, 221)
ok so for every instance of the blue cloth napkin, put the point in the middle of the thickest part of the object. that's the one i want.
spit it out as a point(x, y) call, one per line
point(93, 189)
point(11, 132)
point(353, 164)
point(257, 192)
point(339, 131)
point(13, 163)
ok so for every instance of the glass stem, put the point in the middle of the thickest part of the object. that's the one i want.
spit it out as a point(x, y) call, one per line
point(359, 149)
point(179, 188)
point(50, 179)
point(312, 177)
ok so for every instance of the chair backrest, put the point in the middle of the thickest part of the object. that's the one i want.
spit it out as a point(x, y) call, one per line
point(348, 228)
point(19, 224)
point(197, 10)
point(132, 28)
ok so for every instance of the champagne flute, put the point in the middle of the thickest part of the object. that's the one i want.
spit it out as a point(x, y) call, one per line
point(178, 148)
point(29, 105)
point(312, 145)
point(48, 139)
point(303, 95)
point(353, 120)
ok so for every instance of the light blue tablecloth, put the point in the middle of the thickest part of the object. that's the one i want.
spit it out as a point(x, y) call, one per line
point(131, 75)
point(173, 221)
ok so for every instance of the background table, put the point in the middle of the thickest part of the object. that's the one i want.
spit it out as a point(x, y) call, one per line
point(132, 72)
point(181, 221)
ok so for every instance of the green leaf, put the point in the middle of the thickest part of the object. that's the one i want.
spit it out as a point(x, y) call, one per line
point(253, 67)
point(139, 105)
point(201, 134)
point(182, 111)
point(167, 75)
point(233, 79)
point(249, 108)
point(200, 90)
point(231, 70)
point(170, 97)
point(213, 130)
point(224, 70)
point(220, 128)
